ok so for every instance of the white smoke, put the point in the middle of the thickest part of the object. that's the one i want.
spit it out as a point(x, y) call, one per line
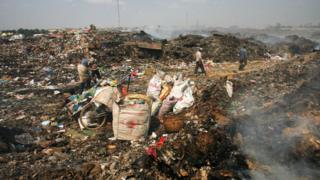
point(270, 136)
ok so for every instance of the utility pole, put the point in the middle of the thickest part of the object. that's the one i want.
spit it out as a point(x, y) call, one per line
point(118, 6)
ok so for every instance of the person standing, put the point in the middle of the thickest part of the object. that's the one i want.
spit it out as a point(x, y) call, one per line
point(84, 75)
point(199, 63)
point(243, 58)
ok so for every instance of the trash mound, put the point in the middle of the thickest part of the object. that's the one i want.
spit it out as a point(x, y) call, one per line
point(218, 47)
point(293, 44)
point(315, 36)
point(195, 150)
point(199, 150)
point(116, 46)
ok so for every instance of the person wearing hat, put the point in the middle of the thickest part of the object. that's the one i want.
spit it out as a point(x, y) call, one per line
point(84, 75)
point(199, 63)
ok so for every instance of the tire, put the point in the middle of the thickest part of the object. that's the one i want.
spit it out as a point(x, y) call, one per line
point(92, 113)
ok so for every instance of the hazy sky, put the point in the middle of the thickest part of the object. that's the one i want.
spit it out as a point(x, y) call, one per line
point(103, 13)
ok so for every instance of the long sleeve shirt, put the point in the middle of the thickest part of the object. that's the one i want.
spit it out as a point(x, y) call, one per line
point(83, 72)
point(198, 56)
point(243, 53)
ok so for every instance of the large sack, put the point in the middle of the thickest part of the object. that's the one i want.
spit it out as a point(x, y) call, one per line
point(106, 95)
point(166, 107)
point(154, 87)
point(185, 102)
point(131, 118)
point(168, 78)
point(178, 89)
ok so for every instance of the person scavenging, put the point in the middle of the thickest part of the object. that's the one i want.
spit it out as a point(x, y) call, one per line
point(243, 58)
point(95, 73)
point(199, 62)
point(84, 74)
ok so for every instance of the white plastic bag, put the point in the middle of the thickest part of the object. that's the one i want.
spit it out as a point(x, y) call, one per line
point(160, 74)
point(168, 78)
point(154, 87)
point(178, 88)
point(186, 101)
point(229, 88)
point(106, 95)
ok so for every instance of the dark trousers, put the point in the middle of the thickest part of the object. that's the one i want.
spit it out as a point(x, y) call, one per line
point(85, 85)
point(199, 64)
point(95, 74)
point(243, 63)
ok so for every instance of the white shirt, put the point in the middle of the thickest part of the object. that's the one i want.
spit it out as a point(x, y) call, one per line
point(198, 56)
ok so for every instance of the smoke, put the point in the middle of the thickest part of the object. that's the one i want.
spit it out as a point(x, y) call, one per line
point(283, 140)
point(162, 32)
point(267, 39)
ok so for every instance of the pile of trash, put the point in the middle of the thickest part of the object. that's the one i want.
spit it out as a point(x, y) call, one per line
point(292, 44)
point(218, 47)
point(116, 46)
point(199, 150)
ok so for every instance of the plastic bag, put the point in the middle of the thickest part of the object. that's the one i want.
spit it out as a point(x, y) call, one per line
point(168, 78)
point(186, 101)
point(106, 95)
point(229, 88)
point(178, 89)
point(154, 87)
point(166, 107)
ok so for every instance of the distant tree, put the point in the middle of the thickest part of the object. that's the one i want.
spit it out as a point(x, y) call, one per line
point(20, 31)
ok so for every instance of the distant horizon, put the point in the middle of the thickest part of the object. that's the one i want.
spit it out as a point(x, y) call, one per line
point(310, 25)
point(57, 14)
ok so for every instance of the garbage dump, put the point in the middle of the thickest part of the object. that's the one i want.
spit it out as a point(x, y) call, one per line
point(291, 44)
point(144, 119)
point(218, 47)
